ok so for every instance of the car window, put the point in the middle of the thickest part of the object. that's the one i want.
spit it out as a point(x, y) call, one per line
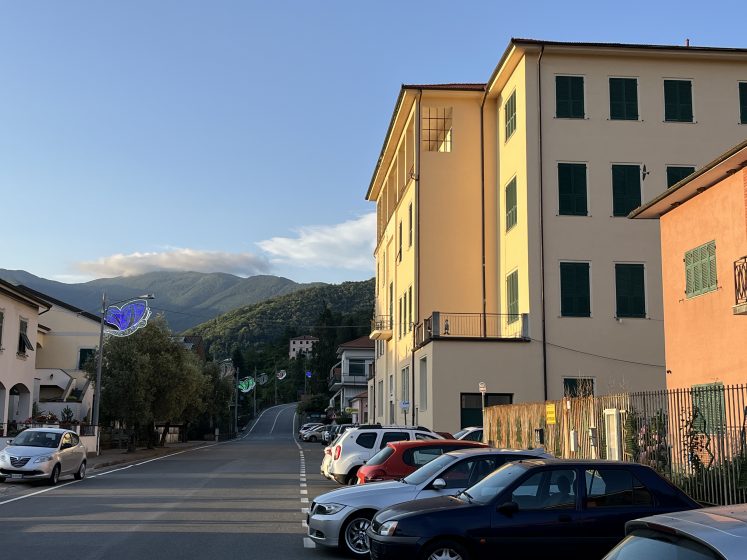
point(474, 436)
point(67, 439)
point(393, 436)
point(422, 437)
point(460, 433)
point(75, 439)
point(366, 439)
point(430, 470)
point(380, 457)
point(482, 468)
point(551, 489)
point(615, 488)
point(421, 456)
point(496, 482)
point(662, 546)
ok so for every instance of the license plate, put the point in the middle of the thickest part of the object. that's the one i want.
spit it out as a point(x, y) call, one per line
point(16, 475)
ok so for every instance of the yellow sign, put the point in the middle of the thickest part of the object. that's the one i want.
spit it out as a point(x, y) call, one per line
point(550, 413)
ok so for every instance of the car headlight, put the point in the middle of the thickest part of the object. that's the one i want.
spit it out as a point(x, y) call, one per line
point(328, 509)
point(3, 457)
point(43, 459)
point(387, 529)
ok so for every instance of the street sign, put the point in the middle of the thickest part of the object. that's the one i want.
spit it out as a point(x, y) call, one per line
point(308, 374)
point(351, 410)
point(550, 414)
point(404, 405)
point(483, 387)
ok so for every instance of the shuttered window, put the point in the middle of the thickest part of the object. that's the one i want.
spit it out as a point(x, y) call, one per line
point(511, 214)
point(709, 408)
point(572, 189)
point(569, 97)
point(678, 101)
point(512, 296)
point(509, 111)
point(743, 102)
point(675, 174)
point(623, 99)
point(630, 290)
point(626, 189)
point(700, 270)
point(575, 298)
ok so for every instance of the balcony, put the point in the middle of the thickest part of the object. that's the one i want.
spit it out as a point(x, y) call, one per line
point(381, 328)
point(740, 287)
point(472, 326)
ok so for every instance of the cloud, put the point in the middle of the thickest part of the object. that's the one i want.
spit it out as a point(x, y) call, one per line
point(240, 264)
point(348, 245)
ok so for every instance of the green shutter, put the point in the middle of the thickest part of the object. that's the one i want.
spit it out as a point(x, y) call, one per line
point(624, 99)
point(574, 290)
point(510, 115)
point(630, 290)
point(569, 97)
point(709, 407)
point(626, 189)
point(512, 296)
point(743, 102)
point(675, 174)
point(511, 211)
point(700, 270)
point(572, 189)
point(678, 101)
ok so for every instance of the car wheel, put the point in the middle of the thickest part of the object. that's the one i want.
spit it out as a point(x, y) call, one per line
point(54, 478)
point(81, 474)
point(312, 439)
point(352, 478)
point(445, 550)
point(354, 540)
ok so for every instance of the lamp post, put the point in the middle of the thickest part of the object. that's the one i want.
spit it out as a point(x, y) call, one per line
point(97, 388)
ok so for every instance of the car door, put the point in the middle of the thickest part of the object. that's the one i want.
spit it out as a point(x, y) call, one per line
point(538, 513)
point(458, 476)
point(80, 451)
point(67, 453)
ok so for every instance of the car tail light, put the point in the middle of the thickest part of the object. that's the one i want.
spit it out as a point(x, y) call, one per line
point(375, 475)
point(338, 449)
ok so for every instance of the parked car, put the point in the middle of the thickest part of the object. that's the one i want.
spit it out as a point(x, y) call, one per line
point(314, 434)
point(576, 509)
point(470, 434)
point(43, 454)
point(357, 445)
point(699, 534)
point(341, 517)
point(334, 431)
point(308, 426)
point(400, 458)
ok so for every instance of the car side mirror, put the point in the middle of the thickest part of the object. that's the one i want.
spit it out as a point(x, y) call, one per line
point(508, 508)
point(9, 441)
point(439, 484)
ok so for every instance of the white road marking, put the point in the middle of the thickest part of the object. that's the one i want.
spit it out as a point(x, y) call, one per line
point(304, 492)
point(308, 543)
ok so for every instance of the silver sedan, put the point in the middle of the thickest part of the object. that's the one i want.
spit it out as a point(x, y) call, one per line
point(43, 454)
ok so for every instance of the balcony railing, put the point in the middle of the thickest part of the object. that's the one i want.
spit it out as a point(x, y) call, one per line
point(381, 327)
point(740, 281)
point(493, 326)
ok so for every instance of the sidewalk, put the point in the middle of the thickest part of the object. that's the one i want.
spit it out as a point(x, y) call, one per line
point(110, 457)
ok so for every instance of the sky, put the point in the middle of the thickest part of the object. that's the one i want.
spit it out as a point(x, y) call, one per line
point(240, 136)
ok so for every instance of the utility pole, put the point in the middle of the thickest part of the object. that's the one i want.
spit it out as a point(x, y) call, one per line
point(236, 408)
point(255, 392)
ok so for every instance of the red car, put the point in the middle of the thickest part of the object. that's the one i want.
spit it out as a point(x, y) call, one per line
point(400, 458)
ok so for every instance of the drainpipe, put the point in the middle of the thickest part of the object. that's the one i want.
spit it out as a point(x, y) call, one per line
point(542, 224)
point(416, 242)
point(482, 211)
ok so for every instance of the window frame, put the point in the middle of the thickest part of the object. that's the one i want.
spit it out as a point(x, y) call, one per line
point(712, 286)
point(512, 213)
point(615, 212)
point(637, 98)
point(645, 291)
point(584, 115)
point(580, 379)
point(742, 91)
point(668, 167)
point(586, 189)
point(560, 288)
point(510, 122)
point(512, 276)
point(692, 100)
point(2, 322)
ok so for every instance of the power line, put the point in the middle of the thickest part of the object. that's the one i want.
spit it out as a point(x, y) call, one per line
point(600, 355)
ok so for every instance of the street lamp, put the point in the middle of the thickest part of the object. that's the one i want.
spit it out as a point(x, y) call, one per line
point(97, 388)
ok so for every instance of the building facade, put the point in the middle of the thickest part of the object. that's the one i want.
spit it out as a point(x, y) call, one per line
point(503, 252)
point(347, 378)
point(301, 346)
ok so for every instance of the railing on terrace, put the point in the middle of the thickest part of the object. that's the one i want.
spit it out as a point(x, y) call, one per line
point(740, 281)
point(494, 326)
point(381, 323)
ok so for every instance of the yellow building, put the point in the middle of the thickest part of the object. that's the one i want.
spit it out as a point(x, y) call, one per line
point(503, 251)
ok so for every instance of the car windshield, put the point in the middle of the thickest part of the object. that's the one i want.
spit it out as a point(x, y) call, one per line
point(493, 484)
point(429, 470)
point(37, 439)
point(460, 433)
point(381, 456)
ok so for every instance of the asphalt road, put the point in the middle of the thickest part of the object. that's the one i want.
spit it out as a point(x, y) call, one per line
point(242, 499)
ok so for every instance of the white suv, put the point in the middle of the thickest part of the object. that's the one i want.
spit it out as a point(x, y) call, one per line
point(356, 446)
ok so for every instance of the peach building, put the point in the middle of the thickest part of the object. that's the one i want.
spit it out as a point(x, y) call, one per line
point(703, 221)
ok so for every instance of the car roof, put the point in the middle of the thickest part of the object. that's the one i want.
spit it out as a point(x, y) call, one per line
point(723, 528)
point(407, 444)
point(583, 463)
point(53, 430)
point(538, 452)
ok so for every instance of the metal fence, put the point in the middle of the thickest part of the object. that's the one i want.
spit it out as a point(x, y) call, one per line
point(441, 325)
point(695, 437)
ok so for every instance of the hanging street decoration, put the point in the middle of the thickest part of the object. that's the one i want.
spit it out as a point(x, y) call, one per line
point(281, 374)
point(308, 374)
point(262, 379)
point(125, 320)
point(246, 384)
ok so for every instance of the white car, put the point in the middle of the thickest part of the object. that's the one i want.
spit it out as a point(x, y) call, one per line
point(314, 434)
point(357, 445)
point(43, 454)
point(307, 427)
point(473, 433)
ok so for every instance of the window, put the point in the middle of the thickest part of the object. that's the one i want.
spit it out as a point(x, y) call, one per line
point(743, 102)
point(399, 249)
point(23, 340)
point(572, 189)
point(357, 367)
point(675, 174)
point(512, 296)
point(678, 101)
point(626, 189)
point(2, 317)
point(468, 472)
point(700, 270)
point(709, 402)
point(409, 225)
point(630, 290)
point(578, 387)
point(615, 488)
point(423, 384)
point(569, 97)
point(380, 402)
point(555, 489)
point(436, 128)
point(391, 305)
point(393, 436)
point(401, 318)
point(405, 384)
point(509, 111)
point(85, 354)
point(511, 213)
point(409, 309)
point(575, 296)
point(623, 99)
point(366, 439)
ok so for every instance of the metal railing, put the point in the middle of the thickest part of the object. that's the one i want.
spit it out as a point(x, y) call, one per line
point(740, 281)
point(381, 323)
point(496, 326)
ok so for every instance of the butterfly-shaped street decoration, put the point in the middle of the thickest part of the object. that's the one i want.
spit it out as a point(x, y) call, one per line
point(262, 379)
point(125, 320)
point(281, 374)
point(246, 384)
